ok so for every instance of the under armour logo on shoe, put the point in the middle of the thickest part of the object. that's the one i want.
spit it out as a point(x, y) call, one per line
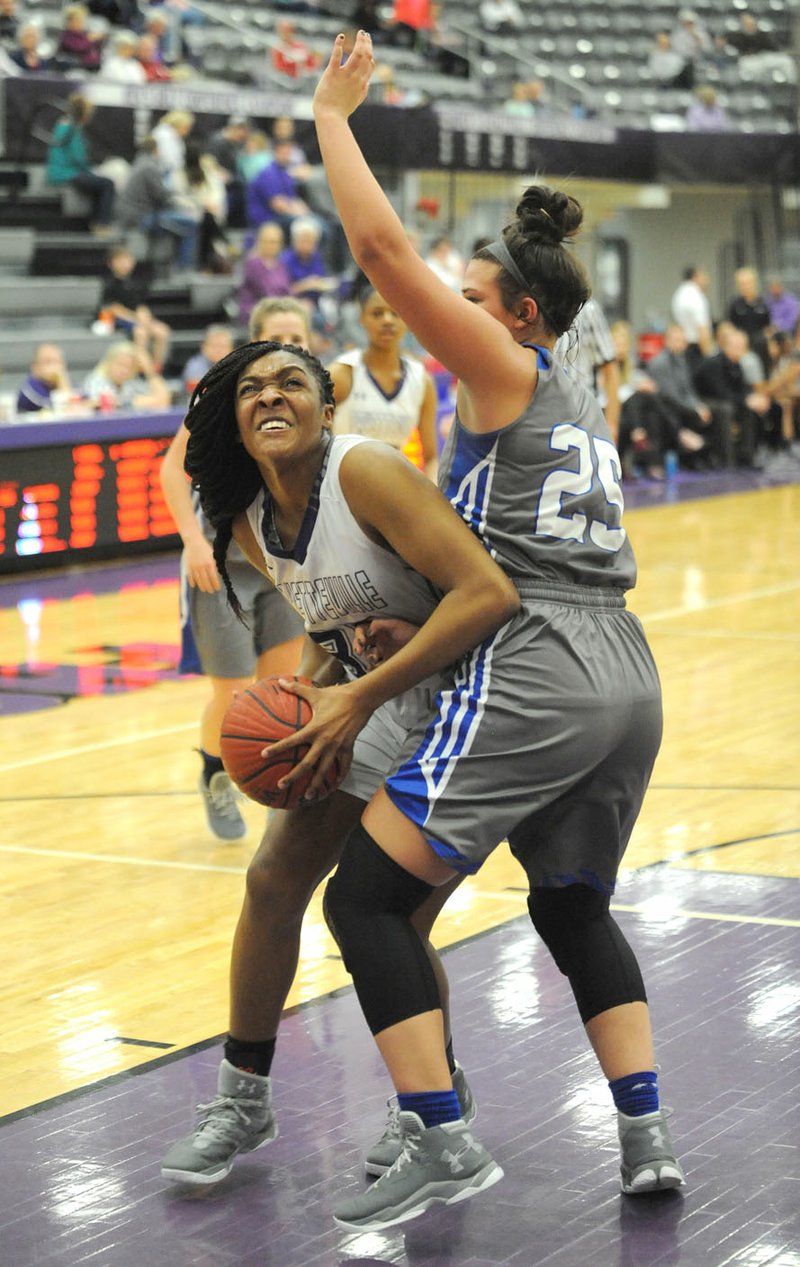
point(454, 1159)
point(658, 1136)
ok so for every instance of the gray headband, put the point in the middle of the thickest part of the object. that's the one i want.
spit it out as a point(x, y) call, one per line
point(503, 256)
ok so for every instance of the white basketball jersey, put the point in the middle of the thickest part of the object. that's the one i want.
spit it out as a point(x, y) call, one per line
point(368, 411)
point(334, 576)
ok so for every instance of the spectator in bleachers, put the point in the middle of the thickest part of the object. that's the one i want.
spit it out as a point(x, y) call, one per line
point(125, 378)
point(227, 145)
point(148, 204)
point(274, 194)
point(366, 16)
point(68, 163)
point(528, 99)
point(721, 383)
point(255, 156)
point(170, 135)
point(207, 198)
point(412, 23)
point(692, 312)
point(121, 13)
point(283, 130)
point(784, 387)
point(123, 295)
point(784, 306)
point(217, 342)
point(389, 92)
point(752, 367)
point(9, 22)
point(78, 46)
point(690, 38)
point(501, 17)
point(446, 262)
point(265, 272)
point(446, 46)
point(758, 51)
point(289, 55)
point(748, 311)
point(48, 374)
point(27, 55)
point(155, 71)
point(705, 114)
point(120, 64)
point(308, 274)
point(647, 430)
point(667, 67)
point(165, 26)
point(671, 371)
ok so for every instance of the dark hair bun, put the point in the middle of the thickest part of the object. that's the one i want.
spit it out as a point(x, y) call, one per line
point(548, 214)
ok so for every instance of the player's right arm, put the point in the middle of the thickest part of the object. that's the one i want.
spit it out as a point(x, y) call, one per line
point(201, 570)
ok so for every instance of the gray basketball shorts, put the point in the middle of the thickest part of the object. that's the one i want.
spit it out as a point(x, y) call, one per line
point(380, 742)
point(546, 737)
point(226, 647)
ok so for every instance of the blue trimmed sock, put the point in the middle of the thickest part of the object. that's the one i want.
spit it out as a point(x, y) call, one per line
point(434, 1107)
point(636, 1093)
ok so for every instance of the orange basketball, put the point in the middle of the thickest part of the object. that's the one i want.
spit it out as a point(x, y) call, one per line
point(263, 714)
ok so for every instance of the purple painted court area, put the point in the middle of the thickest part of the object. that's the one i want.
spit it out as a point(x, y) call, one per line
point(689, 486)
point(81, 1183)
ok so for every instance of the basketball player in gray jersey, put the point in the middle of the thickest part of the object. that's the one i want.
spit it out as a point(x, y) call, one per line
point(549, 732)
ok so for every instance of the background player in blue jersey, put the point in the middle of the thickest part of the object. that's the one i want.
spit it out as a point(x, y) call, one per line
point(551, 731)
point(344, 526)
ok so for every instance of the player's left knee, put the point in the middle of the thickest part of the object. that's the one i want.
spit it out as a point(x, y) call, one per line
point(588, 947)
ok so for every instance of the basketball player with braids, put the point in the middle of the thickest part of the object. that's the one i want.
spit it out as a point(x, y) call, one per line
point(346, 529)
point(213, 641)
point(549, 734)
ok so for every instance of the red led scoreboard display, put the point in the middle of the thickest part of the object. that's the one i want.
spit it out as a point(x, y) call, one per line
point(92, 498)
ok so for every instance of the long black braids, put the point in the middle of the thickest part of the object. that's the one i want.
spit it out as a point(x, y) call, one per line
point(226, 478)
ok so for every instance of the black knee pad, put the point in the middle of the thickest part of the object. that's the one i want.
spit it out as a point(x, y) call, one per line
point(588, 947)
point(368, 905)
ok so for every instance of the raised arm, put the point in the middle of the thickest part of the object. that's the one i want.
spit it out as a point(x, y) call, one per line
point(499, 376)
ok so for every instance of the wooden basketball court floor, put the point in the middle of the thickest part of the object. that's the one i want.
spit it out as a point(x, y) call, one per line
point(119, 909)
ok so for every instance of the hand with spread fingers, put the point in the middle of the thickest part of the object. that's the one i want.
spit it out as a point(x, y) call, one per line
point(344, 84)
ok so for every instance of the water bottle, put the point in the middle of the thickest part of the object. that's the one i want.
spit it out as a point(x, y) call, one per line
point(670, 464)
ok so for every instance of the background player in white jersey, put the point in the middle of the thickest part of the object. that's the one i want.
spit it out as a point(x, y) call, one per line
point(381, 393)
point(551, 732)
point(213, 641)
point(346, 528)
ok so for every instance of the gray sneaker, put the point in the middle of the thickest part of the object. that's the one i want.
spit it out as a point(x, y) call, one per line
point(387, 1149)
point(648, 1157)
point(238, 1120)
point(222, 811)
point(436, 1163)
